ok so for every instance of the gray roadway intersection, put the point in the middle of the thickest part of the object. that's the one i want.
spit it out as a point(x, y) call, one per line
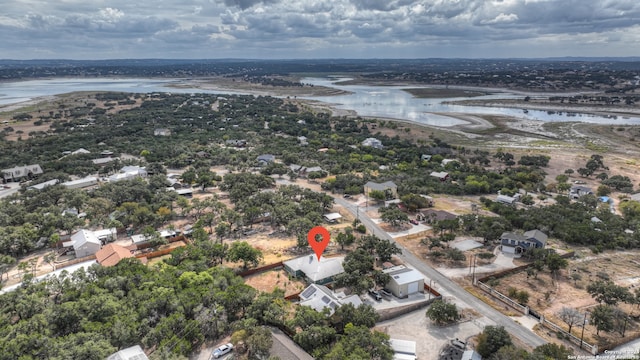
point(450, 287)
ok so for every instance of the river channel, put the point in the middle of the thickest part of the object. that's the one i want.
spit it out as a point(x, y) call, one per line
point(365, 100)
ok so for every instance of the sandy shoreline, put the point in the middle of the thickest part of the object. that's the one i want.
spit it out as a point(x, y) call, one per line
point(26, 103)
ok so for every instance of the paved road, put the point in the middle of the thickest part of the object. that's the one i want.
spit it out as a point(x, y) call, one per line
point(524, 334)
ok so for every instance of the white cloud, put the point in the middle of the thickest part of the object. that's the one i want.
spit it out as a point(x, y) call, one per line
point(501, 18)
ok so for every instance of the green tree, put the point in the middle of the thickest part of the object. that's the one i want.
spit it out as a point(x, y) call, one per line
point(492, 339)
point(552, 351)
point(443, 313)
point(394, 216)
point(602, 318)
point(378, 195)
point(242, 251)
point(608, 293)
point(358, 342)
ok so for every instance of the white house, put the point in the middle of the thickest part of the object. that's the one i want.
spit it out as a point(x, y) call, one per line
point(372, 142)
point(128, 172)
point(314, 271)
point(84, 242)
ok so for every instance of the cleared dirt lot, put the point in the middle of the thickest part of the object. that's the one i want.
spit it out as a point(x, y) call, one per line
point(549, 295)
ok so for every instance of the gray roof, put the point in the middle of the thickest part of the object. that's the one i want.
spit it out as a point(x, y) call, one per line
point(403, 275)
point(537, 235)
point(266, 158)
point(319, 297)
point(21, 171)
point(380, 186)
point(44, 184)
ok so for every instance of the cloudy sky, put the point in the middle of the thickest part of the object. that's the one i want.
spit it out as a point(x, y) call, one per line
point(277, 29)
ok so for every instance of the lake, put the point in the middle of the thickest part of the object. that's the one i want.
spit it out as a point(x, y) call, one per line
point(365, 100)
point(394, 102)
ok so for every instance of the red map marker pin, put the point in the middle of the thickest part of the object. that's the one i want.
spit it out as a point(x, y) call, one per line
point(318, 246)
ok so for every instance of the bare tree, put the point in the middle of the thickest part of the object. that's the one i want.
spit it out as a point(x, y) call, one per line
point(570, 316)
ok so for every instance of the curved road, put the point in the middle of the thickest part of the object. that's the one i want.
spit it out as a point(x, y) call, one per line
point(515, 329)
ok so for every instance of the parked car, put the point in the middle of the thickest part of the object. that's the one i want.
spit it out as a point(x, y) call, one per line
point(375, 294)
point(385, 294)
point(222, 351)
point(414, 221)
point(346, 196)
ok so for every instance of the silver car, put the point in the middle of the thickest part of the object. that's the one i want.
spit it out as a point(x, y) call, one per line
point(222, 351)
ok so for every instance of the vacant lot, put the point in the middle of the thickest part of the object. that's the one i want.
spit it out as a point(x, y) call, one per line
point(549, 296)
point(270, 280)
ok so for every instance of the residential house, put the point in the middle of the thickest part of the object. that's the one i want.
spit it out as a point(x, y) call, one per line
point(130, 353)
point(161, 132)
point(43, 185)
point(236, 143)
point(84, 243)
point(313, 271)
point(507, 200)
point(106, 153)
point(372, 142)
point(404, 281)
point(127, 173)
point(441, 175)
point(20, 172)
point(319, 297)
point(265, 159)
point(303, 140)
point(111, 254)
point(103, 161)
point(578, 190)
point(389, 187)
point(431, 216)
point(304, 171)
point(445, 162)
point(80, 151)
point(81, 183)
point(512, 243)
point(284, 347)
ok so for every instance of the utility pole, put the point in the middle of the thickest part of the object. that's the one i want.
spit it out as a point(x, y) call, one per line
point(584, 323)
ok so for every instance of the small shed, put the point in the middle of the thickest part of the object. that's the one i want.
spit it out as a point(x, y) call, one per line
point(332, 217)
point(403, 349)
point(404, 281)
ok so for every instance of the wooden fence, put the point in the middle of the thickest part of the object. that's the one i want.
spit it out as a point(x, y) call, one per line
point(261, 269)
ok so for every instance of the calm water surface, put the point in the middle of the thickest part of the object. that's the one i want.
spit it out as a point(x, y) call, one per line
point(365, 100)
point(394, 102)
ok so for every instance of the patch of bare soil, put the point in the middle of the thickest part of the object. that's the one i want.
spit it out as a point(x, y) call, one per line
point(549, 295)
point(237, 84)
point(270, 280)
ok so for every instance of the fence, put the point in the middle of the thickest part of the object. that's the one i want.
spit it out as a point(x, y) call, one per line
point(593, 349)
point(504, 298)
point(388, 314)
point(261, 269)
point(75, 261)
point(499, 274)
